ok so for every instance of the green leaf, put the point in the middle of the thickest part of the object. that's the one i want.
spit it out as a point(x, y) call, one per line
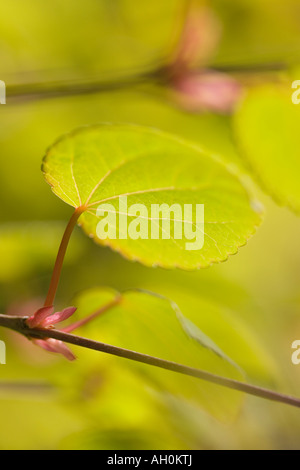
point(196, 334)
point(267, 129)
point(228, 329)
point(148, 324)
point(98, 164)
point(190, 328)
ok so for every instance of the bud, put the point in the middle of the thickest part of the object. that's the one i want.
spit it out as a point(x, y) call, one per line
point(207, 91)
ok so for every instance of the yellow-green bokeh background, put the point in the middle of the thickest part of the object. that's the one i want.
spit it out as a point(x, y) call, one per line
point(99, 402)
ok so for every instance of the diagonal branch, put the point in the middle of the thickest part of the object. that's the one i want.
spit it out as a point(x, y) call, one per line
point(18, 324)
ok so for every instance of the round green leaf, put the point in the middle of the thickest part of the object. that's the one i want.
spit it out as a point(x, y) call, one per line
point(96, 165)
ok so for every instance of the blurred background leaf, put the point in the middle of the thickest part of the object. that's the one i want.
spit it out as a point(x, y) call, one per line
point(148, 324)
point(267, 127)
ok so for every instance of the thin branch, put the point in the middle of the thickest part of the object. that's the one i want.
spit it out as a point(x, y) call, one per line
point(18, 324)
point(61, 88)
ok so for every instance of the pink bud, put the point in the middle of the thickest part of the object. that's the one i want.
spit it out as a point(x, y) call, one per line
point(45, 318)
point(59, 317)
point(55, 346)
point(39, 317)
point(210, 91)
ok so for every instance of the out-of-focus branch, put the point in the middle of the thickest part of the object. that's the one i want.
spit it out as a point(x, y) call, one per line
point(43, 90)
